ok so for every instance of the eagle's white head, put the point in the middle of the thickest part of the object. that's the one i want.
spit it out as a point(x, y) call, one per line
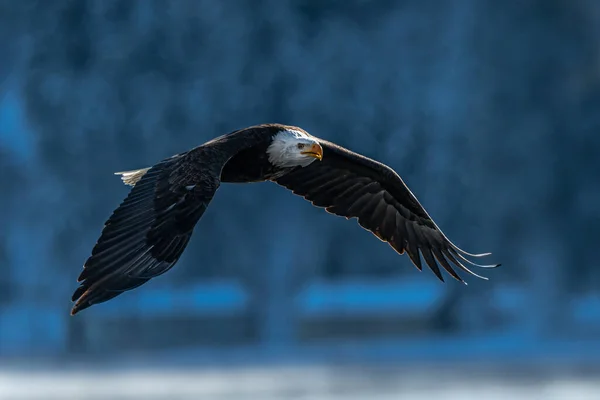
point(292, 148)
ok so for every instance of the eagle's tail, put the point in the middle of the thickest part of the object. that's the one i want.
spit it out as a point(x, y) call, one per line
point(132, 177)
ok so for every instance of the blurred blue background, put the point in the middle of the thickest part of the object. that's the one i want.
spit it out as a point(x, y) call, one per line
point(488, 109)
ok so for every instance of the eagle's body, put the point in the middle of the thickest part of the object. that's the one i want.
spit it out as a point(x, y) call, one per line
point(148, 232)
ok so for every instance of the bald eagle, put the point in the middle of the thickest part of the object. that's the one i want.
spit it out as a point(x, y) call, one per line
point(145, 236)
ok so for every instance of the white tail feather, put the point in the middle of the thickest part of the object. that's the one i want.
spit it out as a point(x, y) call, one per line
point(132, 177)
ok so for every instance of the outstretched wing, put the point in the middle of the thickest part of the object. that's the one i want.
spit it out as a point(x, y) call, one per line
point(350, 185)
point(148, 232)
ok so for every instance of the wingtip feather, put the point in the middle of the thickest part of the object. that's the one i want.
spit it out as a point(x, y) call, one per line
point(470, 254)
point(453, 251)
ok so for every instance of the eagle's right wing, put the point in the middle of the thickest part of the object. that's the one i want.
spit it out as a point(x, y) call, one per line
point(148, 232)
point(353, 186)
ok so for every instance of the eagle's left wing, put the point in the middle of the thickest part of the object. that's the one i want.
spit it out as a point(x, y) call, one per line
point(145, 236)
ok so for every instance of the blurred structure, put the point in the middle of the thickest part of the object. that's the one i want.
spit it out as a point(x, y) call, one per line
point(487, 109)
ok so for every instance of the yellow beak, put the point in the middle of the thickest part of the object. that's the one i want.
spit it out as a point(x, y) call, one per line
point(315, 151)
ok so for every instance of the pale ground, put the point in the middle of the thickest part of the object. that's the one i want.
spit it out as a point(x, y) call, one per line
point(303, 383)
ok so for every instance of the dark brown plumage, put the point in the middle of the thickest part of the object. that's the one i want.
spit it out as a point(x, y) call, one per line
point(146, 235)
point(352, 186)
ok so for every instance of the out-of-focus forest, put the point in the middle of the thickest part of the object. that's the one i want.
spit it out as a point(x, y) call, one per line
point(489, 110)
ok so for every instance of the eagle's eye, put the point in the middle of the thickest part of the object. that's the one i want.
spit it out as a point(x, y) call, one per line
point(300, 146)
